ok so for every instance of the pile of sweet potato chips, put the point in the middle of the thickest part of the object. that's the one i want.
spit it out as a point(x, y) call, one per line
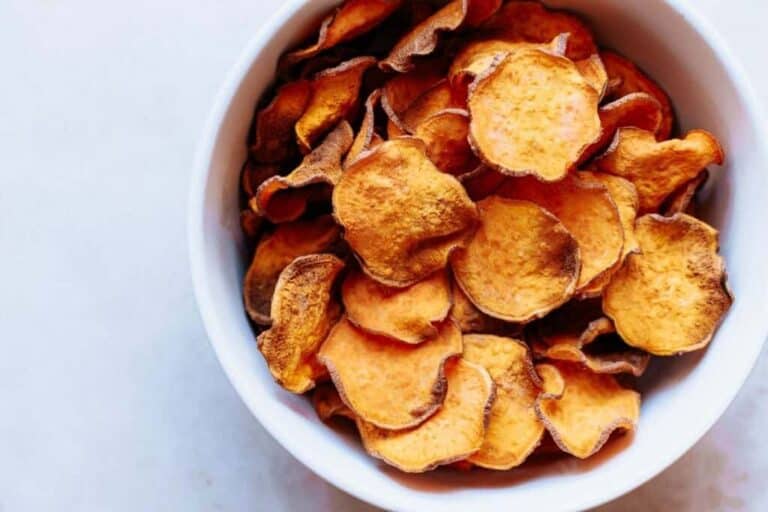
point(471, 228)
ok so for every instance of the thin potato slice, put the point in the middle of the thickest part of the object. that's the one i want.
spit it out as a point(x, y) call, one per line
point(274, 252)
point(436, 99)
point(284, 198)
point(521, 262)
point(586, 210)
point(290, 346)
point(681, 199)
point(531, 21)
point(328, 403)
point(591, 408)
point(551, 382)
point(456, 431)
point(532, 113)
point(273, 134)
point(402, 217)
point(254, 174)
point(445, 137)
point(657, 169)
point(472, 320)
point(405, 314)
point(364, 139)
point(594, 73)
point(610, 356)
point(353, 18)
point(385, 382)
point(670, 297)
point(401, 91)
point(334, 95)
point(514, 430)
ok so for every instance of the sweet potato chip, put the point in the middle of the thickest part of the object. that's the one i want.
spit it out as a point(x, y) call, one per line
point(456, 431)
point(401, 215)
point(607, 355)
point(514, 429)
point(551, 382)
point(334, 95)
point(254, 174)
point(284, 198)
point(353, 18)
point(385, 382)
point(670, 297)
point(401, 91)
point(531, 21)
point(681, 199)
point(586, 210)
point(364, 139)
point(250, 223)
point(445, 137)
point(532, 113)
point(472, 320)
point(275, 251)
point(303, 312)
point(434, 100)
point(521, 262)
point(405, 314)
point(273, 134)
point(328, 403)
point(591, 408)
point(481, 182)
point(627, 78)
point(594, 73)
point(657, 169)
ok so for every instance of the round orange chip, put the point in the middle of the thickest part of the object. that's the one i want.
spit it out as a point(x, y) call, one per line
point(385, 382)
point(445, 136)
point(402, 217)
point(532, 113)
point(521, 262)
point(273, 133)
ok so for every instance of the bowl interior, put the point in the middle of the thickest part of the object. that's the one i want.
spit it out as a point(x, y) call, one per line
point(682, 396)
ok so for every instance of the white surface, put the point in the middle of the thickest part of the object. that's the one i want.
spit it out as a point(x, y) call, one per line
point(111, 396)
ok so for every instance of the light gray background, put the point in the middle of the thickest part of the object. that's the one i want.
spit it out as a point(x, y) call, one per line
point(110, 396)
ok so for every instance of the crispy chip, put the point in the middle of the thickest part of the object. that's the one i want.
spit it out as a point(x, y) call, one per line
point(627, 78)
point(250, 223)
point(586, 210)
point(284, 198)
point(532, 113)
point(401, 91)
point(328, 403)
point(481, 182)
point(385, 382)
point(254, 174)
point(436, 99)
point(353, 18)
point(334, 96)
point(531, 21)
point(514, 429)
point(364, 139)
point(551, 382)
point(607, 355)
point(657, 169)
point(472, 320)
point(594, 73)
point(445, 137)
point(456, 431)
point(521, 262)
point(670, 297)
point(273, 134)
point(303, 312)
point(681, 199)
point(402, 216)
point(591, 408)
point(405, 314)
point(274, 252)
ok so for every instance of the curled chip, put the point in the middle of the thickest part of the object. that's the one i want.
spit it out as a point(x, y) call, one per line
point(551, 382)
point(531, 21)
point(472, 320)
point(587, 211)
point(436, 99)
point(514, 430)
point(681, 199)
point(254, 174)
point(670, 297)
point(594, 73)
point(456, 431)
point(250, 223)
point(303, 312)
point(445, 137)
point(626, 78)
point(607, 355)
point(401, 91)
point(423, 38)
point(284, 198)
point(352, 19)
point(273, 133)
point(364, 139)
point(385, 382)
point(521, 262)
point(334, 96)
point(532, 113)
point(401, 215)
point(591, 407)
point(274, 252)
point(481, 182)
point(637, 109)
point(405, 314)
point(328, 403)
point(657, 169)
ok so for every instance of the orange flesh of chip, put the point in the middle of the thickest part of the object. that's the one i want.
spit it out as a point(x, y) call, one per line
point(385, 382)
point(514, 429)
point(532, 113)
point(456, 431)
point(303, 312)
point(681, 199)
point(405, 314)
point(402, 216)
point(364, 138)
point(594, 73)
point(328, 403)
point(591, 408)
point(521, 262)
point(670, 297)
point(445, 136)
point(436, 99)
point(255, 174)
point(402, 90)
point(250, 223)
point(620, 359)
point(273, 138)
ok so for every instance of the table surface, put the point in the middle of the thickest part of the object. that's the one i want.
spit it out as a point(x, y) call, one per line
point(112, 398)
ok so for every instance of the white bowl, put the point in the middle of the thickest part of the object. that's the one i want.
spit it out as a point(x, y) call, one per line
point(683, 396)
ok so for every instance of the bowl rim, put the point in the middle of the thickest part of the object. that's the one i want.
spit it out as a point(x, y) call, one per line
point(214, 328)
